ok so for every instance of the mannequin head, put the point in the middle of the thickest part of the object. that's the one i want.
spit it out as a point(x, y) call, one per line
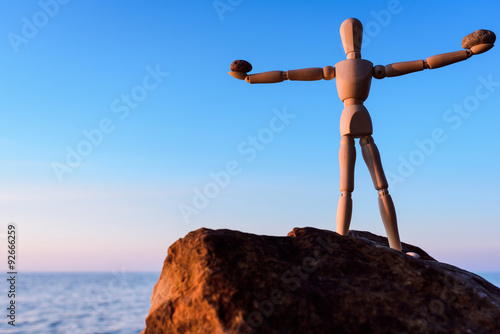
point(351, 33)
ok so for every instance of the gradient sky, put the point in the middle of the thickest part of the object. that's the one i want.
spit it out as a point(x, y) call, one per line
point(134, 99)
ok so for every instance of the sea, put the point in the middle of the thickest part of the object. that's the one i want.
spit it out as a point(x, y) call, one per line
point(87, 303)
point(79, 303)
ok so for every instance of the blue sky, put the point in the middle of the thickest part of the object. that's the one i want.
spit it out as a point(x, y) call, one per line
point(134, 99)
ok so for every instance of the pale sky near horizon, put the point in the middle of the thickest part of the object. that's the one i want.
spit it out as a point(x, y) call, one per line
point(122, 131)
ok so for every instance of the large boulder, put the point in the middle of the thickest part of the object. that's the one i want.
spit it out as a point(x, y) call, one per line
point(314, 281)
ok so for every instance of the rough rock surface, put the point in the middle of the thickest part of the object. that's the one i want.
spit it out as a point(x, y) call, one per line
point(241, 66)
point(480, 36)
point(314, 281)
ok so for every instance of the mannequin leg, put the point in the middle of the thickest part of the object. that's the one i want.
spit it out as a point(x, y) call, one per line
point(347, 158)
point(371, 156)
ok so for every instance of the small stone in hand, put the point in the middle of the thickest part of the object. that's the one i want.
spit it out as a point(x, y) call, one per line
point(241, 66)
point(480, 36)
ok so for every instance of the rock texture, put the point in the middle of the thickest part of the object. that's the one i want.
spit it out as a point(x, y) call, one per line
point(314, 281)
point(480, 36)
point(240, 66)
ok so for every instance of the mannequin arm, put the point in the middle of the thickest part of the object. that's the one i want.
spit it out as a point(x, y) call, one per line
point(304, 74)
point(437, 61)
point(444, 59)
point(475, 43)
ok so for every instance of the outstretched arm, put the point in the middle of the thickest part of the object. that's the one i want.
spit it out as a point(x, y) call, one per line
point(478, 42)
point(239, 69)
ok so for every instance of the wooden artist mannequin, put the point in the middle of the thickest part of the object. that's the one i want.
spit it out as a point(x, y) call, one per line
point(354, 77)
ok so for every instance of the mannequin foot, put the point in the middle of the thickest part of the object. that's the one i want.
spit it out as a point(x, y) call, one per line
point(415, 255)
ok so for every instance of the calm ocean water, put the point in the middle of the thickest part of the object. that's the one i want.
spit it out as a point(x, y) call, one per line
point(89, 303)
point(80, 303)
